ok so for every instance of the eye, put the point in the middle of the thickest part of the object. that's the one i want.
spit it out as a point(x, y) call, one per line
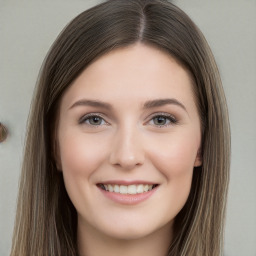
point(162, 120)
point(93, 119)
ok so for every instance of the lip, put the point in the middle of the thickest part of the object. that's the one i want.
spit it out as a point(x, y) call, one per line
point(127, 199)
point(127, 182)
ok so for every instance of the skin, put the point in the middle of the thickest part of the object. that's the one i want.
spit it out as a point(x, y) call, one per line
point(129, 144)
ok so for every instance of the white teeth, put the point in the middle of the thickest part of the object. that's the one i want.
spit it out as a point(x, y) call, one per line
point(116, 189)
point(140, 188)
point(130, 189)
point(145, 188)
point(110, 188)
point(123, 189)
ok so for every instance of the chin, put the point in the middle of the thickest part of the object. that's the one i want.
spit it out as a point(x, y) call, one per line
point(135, 230)
point(129, 233)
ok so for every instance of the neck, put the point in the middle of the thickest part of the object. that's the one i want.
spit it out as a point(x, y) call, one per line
point(93, 243)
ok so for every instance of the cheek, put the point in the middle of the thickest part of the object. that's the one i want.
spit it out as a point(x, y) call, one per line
point(175, 155)
point(175, 159)
point(80, 155)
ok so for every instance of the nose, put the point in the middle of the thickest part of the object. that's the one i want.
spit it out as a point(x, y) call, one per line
point(127, 149)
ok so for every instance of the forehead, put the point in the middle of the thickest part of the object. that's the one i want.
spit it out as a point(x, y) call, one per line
point(137, 72)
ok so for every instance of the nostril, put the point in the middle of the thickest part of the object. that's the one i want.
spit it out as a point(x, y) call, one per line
point(127, 155)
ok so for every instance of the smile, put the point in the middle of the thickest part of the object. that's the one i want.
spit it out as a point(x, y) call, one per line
point(132, 189)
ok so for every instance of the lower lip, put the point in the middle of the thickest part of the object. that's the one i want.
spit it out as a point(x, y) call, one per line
point(127, 198)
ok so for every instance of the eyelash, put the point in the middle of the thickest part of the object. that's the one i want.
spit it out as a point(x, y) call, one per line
point(172, 120)
point(91, 115)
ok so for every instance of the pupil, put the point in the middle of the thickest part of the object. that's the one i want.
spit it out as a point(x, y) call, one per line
point(160, 120)
point(95, 120)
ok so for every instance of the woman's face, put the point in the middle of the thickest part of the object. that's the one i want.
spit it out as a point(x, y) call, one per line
point(129, 138)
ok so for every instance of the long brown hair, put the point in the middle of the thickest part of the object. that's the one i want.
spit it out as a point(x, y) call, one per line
point(46, 220)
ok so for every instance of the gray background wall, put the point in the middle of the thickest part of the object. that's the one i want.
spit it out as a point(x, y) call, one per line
point(29, 27)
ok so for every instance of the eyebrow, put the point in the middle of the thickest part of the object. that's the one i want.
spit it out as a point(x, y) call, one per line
point(147, 105)
point(162, 102)
point(92, 103)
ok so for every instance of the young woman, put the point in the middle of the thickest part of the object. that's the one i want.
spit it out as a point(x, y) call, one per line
point(127, 150)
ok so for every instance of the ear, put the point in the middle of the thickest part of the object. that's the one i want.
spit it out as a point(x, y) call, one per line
point(198, 160)
point(56, 155)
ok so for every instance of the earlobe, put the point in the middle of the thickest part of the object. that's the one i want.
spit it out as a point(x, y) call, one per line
point(57, 160)
point(56, 155)
point(198, 160)
point(58, 165)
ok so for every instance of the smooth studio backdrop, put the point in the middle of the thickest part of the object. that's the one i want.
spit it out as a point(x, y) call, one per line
point(29, 27)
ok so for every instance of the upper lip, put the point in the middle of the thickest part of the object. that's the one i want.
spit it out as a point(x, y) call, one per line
point(126, 182)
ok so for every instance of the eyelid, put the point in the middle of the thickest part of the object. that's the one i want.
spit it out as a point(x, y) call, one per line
point(84, 117)
point(172, 118)
point(162, 114)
